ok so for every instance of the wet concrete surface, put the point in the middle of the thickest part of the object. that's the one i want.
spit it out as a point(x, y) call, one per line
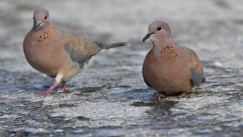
point(110, 97)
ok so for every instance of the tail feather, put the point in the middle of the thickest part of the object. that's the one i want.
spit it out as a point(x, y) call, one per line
point(112, 45)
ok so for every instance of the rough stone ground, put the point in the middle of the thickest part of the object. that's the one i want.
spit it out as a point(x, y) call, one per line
point(110, 98)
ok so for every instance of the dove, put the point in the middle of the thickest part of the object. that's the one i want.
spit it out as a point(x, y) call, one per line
point(57, 51)
point(168, 68)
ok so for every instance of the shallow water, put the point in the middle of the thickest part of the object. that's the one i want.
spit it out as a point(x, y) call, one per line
point(110, 98)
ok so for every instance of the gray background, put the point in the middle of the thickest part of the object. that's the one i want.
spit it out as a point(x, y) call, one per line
point(110, 98)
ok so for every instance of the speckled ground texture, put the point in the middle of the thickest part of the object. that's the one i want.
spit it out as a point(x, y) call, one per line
point(110, 98)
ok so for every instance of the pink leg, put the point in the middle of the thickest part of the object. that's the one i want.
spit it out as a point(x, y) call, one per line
point(49, 89)
point(64, 87)
point(183, 94)
point(158, 97)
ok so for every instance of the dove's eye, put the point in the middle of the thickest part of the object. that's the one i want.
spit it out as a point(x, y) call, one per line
point(45, 17)
point(159, 28)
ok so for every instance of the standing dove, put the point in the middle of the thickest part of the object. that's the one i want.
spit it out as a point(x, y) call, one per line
point(57, 51)
point(169, 68)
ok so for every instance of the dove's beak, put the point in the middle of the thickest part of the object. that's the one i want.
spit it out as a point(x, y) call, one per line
point(37, 26)
point(147, 36)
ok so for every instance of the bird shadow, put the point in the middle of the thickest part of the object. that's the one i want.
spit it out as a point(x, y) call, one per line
point(143, 98)
point(85, 90)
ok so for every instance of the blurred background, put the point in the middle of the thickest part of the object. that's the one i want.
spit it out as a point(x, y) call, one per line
point(212, 28)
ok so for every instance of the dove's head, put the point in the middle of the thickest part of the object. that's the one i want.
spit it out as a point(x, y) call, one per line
point(158, 30)
point(41, 18)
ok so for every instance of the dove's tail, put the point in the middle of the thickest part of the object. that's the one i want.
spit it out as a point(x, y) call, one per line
point(112, 45)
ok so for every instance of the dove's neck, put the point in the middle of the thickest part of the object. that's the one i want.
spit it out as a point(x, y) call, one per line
point(162, 44)
point(165, 49)
point(43, 34)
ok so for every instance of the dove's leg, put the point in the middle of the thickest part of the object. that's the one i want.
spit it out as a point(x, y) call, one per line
point(158, 97)
point(183, 94)
point(64, 87)
point(58, 79)
point(49, 89)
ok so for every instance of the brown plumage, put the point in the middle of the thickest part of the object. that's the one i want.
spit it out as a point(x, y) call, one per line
point(169, 68)
point(57, 51)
